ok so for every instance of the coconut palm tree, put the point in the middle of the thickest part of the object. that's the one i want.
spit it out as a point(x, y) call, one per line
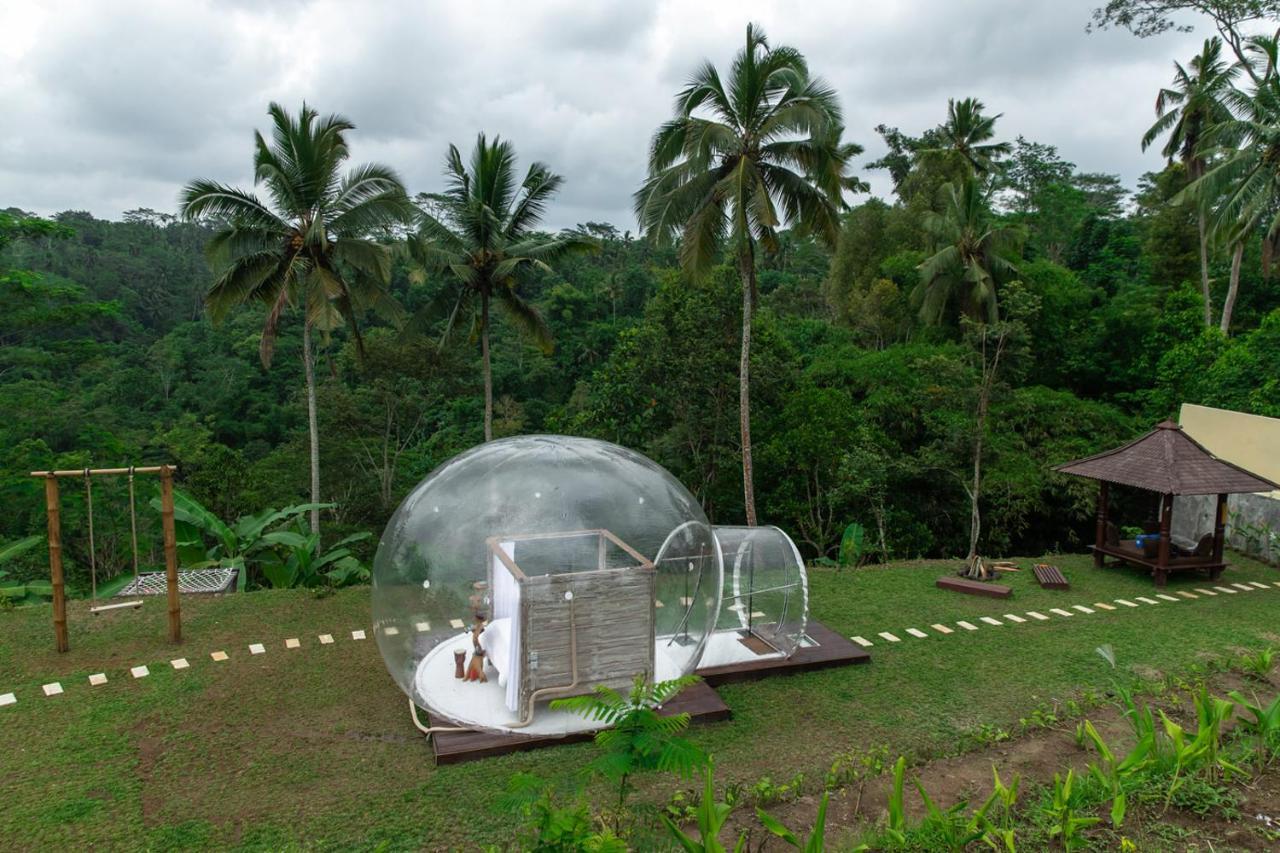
point(480, 233)
point(972, 253)
point(737, 163)
point(1184, 112)
point(306, 245)
point(967, 134)
point(1241, 186)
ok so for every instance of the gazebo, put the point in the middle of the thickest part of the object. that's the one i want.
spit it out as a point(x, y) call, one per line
point(1168, 462)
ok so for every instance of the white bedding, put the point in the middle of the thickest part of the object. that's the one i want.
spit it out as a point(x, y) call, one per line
point(496, 642)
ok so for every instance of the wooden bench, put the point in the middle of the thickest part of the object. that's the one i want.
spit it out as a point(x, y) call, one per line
point(969, 587)
point(1050, 577)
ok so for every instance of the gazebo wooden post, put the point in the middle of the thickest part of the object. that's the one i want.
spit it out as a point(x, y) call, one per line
point(170, 553)
point(53, 510)
point(1219, 533)
point(1162, 554)
point(1101, 538)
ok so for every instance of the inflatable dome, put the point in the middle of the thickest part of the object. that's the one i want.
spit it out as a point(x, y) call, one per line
point(538, 567)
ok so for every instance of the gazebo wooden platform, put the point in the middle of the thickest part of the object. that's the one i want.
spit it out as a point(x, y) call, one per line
point(1169, 463)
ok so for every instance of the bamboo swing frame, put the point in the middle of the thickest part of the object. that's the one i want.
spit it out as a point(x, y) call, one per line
point(53, 510)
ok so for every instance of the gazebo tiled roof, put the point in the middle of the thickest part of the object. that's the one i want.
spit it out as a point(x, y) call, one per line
point(1170, 462)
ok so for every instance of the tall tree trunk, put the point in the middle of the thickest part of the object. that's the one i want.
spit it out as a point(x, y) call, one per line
point(313, 429)
point(984, 403)
point(747, 271)
point(1204, 271)
point(488, 371)
point(1229, 304)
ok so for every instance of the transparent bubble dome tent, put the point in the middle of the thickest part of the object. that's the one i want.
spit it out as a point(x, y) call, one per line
point(565, 562)
point(764, 604)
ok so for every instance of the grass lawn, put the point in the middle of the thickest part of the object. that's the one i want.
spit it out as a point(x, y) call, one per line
point(314, 746)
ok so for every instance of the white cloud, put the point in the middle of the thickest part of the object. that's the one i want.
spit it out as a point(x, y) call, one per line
point(112, 106)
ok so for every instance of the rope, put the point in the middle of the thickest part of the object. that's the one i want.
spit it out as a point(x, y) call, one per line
point(133, 525)
point(93, 563)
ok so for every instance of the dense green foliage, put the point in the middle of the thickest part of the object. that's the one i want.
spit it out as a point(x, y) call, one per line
point(865, 377)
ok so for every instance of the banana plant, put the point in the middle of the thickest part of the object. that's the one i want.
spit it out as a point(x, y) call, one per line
point(15, 592)
point(1065, 824)
point(233, 545)
point(294, 558)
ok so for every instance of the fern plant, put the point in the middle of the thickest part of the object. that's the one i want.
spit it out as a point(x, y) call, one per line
point(637, 738)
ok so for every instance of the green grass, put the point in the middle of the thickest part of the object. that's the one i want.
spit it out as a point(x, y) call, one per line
point(314, 746)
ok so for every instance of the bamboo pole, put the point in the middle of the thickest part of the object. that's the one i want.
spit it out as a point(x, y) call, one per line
point(151, 469)
point(170, 553)
point(54, 512)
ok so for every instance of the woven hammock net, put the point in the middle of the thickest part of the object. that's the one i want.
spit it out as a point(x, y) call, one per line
point(190, 581)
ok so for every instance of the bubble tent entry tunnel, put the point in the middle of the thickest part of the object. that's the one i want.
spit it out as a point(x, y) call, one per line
point(540, 566)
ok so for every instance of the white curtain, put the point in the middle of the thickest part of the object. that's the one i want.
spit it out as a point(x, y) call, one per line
point(506, 605)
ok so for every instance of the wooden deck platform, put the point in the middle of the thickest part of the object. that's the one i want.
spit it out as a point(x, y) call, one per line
point(699, 700)
point(830, 650)
point(1127, 551)
point(985, 589)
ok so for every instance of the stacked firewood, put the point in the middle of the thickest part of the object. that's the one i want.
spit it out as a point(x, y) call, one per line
point(979, 569)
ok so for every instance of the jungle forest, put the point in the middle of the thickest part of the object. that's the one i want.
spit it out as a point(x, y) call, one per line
point(794, 350)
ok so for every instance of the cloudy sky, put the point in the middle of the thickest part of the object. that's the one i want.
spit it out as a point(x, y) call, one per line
point(108, 106)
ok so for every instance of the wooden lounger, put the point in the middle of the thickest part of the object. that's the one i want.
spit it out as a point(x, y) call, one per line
point(991, 590)
point(1050, 577)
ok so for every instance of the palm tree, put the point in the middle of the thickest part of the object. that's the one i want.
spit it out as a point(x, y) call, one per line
point(966, 135)
point(972, 252)
point(1185, 111)
point(480, 232)
point(307, 245)
point(736, 164)
point(1242, 186)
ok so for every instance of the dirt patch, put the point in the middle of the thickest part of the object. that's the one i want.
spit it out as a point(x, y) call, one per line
point(1036, 757)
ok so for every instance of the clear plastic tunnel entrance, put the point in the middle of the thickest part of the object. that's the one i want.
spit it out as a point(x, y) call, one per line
point(764, 603)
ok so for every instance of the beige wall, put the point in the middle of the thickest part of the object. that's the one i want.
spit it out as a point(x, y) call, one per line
point(1250, 441)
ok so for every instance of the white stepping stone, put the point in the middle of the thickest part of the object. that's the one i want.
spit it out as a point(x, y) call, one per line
point(53, 688)
point(8, 699)
point(97, 679)
point(1243, 586)
point(890, 637)
point(326, 639)
point(1082, 608)
point(139, 672)
point(1277, 583)
point(916, 632)
point(968, 626)
point(758, 614)
point(1014, 617)
point(990, 621)
point(1036, 614)
point(1258, 585)
point(1125, 602)
point(1185, 594)
point(1146, 600)
point(1102, 605)
point(1207, 592)
point(218, 656)
point(862, 641)
point(1165, 597)
point(1228, 590)
point(1059, 611)
point(292, 643)
point(457, 623)
point(392, 630)
point(941, 629)
point(357, 635)
point(179, 663)
point(423, 627)
point(257, 649)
